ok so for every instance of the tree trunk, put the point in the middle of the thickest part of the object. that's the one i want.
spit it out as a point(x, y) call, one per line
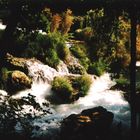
point(133, 74)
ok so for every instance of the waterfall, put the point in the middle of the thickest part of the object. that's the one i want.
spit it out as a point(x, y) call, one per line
point(99, 95)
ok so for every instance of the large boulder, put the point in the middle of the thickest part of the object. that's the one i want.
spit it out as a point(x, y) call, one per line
point(89, 124)
point(15, 63)
point(67, 89)
point(18, 80)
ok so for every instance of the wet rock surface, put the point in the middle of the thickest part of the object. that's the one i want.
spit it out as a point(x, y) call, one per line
point(15, 63)
point(18, 80)
point(92, 124)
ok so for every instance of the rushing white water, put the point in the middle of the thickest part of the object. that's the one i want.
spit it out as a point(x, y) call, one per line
point(2, 27)
point(98, 95)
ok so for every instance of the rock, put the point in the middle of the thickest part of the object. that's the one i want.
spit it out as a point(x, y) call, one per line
point(16, 63)
point(74, 65)
point(69, 88)
point(18, 80)
point(76, 69)
point(89, 124)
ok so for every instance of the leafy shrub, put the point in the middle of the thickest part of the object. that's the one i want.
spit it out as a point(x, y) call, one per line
point(33, 50)
point(4, 77)
point(56, 42)
point(62, 51)
point(69, 89)
point(62, 87)
point(53, 39)
point(80, 52)
point(97, 68)
point(122, 83)
point(83, 84)
point(52, 58)
point(12, 112)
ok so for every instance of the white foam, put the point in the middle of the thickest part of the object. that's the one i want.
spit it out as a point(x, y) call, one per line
point(98, 95)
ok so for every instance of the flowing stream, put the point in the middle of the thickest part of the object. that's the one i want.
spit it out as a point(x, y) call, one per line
point(99, 95)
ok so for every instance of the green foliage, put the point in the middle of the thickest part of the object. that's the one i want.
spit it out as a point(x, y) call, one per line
point(11, 113)
point(80, 52)
point(55, 49)
point(48, 48)
point(69, 89)
point(4, 73)
point(53, 39)
point(84, 34)
point(83, 84)
point(52, 58)
point(62, 51)
point(122, 81)
point(62, 87)
point(98, 68)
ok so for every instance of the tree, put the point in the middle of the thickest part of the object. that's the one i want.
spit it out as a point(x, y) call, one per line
point(26, 15)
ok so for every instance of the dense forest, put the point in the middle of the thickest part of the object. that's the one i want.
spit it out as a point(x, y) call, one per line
point(67, 45)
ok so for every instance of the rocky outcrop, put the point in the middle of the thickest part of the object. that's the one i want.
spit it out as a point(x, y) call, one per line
point(18, 80)
point(89, 124)
point(16, 63)
point(76, 69)
point(74, 65)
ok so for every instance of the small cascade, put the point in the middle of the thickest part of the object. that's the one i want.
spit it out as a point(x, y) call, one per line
point(62, 68)
point(98, 95)
point(39, 72)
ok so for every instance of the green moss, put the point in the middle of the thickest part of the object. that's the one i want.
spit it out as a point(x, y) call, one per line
point(83, 84)
point(69, 89)
point(62, 87)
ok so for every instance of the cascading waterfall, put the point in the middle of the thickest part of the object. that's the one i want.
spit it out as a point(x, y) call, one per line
point(98, 95)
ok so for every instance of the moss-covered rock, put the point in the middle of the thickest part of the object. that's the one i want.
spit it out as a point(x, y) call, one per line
point(16, 81)
point(62, 89)
point(69, 88)
point(15, 63)
point(76, 69)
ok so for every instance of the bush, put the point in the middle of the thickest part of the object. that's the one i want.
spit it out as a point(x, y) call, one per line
point(80, 52)
point(83, 84)
point(55, 49)
point(62, 51)
point(97, 68)
point(48, 48)
point(4, 77)
point(12, 112)
point(122, 84)
point(63, 88)
point(69, 89)
point(53, 39)
point(52, 58)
